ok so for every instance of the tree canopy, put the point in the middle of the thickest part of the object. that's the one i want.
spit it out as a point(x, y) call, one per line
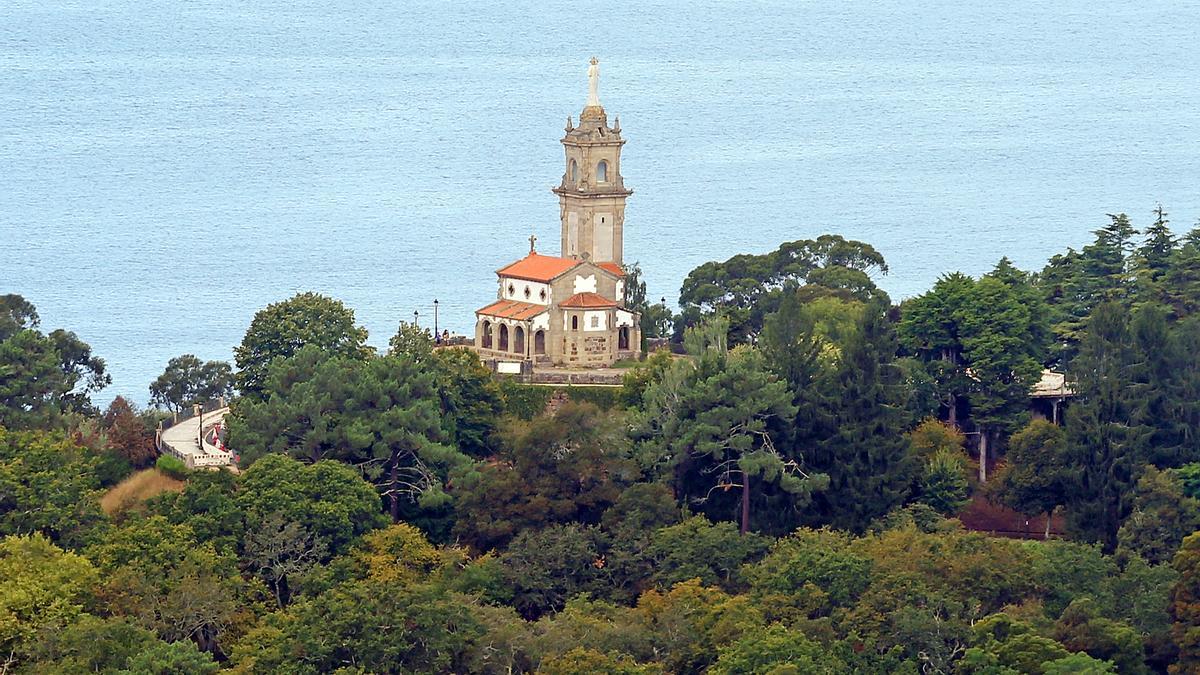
point(786, 491)
point(283, 328)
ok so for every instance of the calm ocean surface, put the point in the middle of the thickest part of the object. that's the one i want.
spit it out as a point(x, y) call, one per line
point(168, 167)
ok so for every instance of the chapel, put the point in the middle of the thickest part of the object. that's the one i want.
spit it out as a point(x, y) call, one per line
point(568, 310)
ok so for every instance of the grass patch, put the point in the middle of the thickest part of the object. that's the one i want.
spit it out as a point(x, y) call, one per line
point(138, 488)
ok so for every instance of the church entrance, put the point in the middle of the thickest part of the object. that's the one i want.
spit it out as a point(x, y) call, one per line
point(623, 338)
point(486, 329)
point(519, 340)
point(503, 338)
point(539, 342)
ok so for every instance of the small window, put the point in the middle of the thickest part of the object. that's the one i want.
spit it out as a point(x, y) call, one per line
point(542, 295)
point(602, 171)
point(595, 322)
point(527, 292)
point(511, 289)
point(574, 323)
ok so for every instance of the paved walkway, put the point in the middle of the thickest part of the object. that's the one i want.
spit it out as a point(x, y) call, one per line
point(184, 439)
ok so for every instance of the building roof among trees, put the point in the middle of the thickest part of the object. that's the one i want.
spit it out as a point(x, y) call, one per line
point(512, 309)
point(611, 267)
point(538, 267)
point(588, 301)
point(1052, 385)
point(547, 268)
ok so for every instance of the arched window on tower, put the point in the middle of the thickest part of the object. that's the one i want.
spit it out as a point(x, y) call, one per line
point(574, 172)
point(602, 171)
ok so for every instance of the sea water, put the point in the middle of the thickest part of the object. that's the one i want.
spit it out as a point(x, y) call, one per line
point(169, 167)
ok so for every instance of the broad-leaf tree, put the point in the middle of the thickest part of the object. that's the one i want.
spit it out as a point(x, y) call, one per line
point(43, 376)
point(283, 328)
point(1036, 478)
point(45, 589)
point(565, 468)
point(747, 287)
point(1185, 606)
point(48, 484)
point(127, 433)
point(931, 328)
point(187, 381)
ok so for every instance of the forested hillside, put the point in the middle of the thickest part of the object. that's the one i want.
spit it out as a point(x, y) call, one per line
point(777, 492)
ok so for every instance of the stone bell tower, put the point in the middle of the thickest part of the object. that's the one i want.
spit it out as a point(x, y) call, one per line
point(592, 194)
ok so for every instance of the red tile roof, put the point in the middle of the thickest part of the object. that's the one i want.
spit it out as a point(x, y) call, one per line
point(588, 301)
point(511, 309)
point(611, 267)
point(538, 267)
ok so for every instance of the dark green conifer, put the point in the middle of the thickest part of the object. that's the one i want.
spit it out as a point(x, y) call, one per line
point(1105, 434)
point(864, 450)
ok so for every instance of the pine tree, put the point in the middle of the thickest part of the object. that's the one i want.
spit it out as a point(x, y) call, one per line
point(711, 420)
point(1153, 257)
point(1151, 376)
point(1183, 389)
point(1105, 435)
point(1181, 282)
point(1080, 281)
point(793, 352)
point(864, 450)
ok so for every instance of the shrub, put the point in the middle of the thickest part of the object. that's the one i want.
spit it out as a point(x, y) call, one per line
point(172, 466)
point(523, 400)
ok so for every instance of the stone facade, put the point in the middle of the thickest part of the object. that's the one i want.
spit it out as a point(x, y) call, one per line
point(567, 310)
point(580, 321)
point(592, 193)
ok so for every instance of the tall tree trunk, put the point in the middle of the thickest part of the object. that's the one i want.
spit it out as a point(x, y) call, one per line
point(949, 356)
point(745, 503)
point(983, 455)
point(1049, 515)
point(394, 497)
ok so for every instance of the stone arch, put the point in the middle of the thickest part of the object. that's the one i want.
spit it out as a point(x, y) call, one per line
point(539, 342)
point(623, 338)
point(602, 171)
point(486, 334)
point(519, 340)
point(503, 346)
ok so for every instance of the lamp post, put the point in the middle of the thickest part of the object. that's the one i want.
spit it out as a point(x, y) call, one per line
point(416, 318)
point(436, 335)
